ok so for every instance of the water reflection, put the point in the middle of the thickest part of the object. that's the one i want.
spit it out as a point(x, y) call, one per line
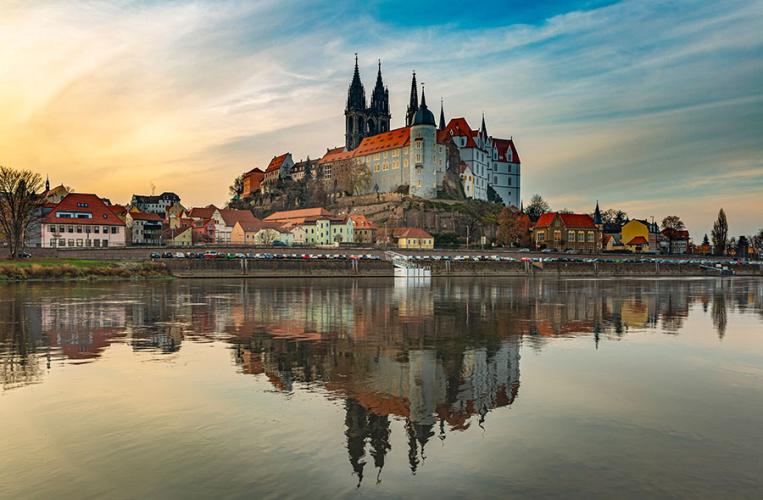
point(438, 358)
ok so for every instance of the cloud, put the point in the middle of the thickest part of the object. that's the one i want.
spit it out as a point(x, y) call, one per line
point(636, 103)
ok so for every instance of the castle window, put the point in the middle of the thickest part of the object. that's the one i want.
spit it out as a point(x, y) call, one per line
point(590, 237)
point(571, 236)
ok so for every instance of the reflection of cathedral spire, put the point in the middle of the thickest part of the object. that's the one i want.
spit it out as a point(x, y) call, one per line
point(363, 425)
point(413, 447)
point(355, 421)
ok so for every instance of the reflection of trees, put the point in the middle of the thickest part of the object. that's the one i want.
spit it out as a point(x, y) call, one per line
point(19, 360)
point(719, 314)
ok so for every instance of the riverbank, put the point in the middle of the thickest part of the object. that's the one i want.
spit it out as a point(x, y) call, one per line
point(332, 268)
point(53, 269)
point(80, 269)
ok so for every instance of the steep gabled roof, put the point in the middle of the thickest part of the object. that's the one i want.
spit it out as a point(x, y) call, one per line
point(276, 162)
point(361, 222)
point(100, 213)
point(459, 127)
point(506, 150)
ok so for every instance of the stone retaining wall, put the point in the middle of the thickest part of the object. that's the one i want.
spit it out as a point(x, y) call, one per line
point(190, 268)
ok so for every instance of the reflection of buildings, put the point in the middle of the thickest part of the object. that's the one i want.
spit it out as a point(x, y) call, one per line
point(437, 358)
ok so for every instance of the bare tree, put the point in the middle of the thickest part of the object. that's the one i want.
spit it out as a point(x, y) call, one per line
point(352, 177)
point(673, 222)
point(19, 206)
point(537, 207)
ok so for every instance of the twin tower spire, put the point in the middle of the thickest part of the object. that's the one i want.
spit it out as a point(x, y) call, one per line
point(363, 121)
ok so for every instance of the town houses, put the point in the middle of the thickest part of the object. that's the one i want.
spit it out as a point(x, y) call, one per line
point(425, 161)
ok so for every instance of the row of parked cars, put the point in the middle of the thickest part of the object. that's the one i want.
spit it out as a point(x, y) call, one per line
point(260, 256)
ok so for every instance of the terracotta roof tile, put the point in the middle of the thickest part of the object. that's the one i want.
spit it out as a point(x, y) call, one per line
point(100, 213)
point(276, 162)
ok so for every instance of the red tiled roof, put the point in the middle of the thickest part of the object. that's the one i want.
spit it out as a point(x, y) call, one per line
point(410, 232)
point(148, 216)
point(504, 146)
point(361, 222)
point(569, 220)
point(202, 212)
point(230, 216)
point(638, 240)
point(393, 139)
point(334, 155)
point(101, 214)
point(298, 214)
point(119, 210)
point(459, 127)
point(276, 162)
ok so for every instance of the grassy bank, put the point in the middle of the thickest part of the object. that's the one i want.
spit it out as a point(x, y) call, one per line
point(78, 269)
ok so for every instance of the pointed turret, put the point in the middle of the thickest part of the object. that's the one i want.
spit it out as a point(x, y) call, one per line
point(47, 183)
point(483, 128)
point(423, 116)
point(413, 105)
point(442, 116)
point(597, 215)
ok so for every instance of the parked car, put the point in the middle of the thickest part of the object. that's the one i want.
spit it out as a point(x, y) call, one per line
point(179, 255)
point(155, 255)
point(167, 255)
point(25, 255)
point(279, 243)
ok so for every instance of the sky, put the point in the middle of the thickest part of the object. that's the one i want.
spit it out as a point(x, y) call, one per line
point(653, 107)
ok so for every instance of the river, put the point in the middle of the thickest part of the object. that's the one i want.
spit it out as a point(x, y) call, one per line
point(458, 388)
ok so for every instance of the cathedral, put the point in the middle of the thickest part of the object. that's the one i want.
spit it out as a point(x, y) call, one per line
point(417, 155)
point(414, 158)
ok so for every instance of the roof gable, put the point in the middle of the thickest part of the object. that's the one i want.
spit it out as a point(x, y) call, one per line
point(99, 212)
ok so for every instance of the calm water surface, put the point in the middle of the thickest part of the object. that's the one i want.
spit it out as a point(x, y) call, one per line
point(325, 389)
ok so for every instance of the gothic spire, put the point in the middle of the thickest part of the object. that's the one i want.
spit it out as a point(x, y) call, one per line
point(442, 116)
point(356, 95)
point(413, 105)
point(47, 183)
point(423, 97)
point(379, 99)
point(483, 128)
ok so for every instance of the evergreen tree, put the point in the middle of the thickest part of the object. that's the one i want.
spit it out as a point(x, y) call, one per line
point(720, 233)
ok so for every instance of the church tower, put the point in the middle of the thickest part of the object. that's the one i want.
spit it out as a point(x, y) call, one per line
point(378, 114)
point(355, 112)
point(413, 106)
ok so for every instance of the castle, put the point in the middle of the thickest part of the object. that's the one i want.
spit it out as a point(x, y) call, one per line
point(415, 157)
